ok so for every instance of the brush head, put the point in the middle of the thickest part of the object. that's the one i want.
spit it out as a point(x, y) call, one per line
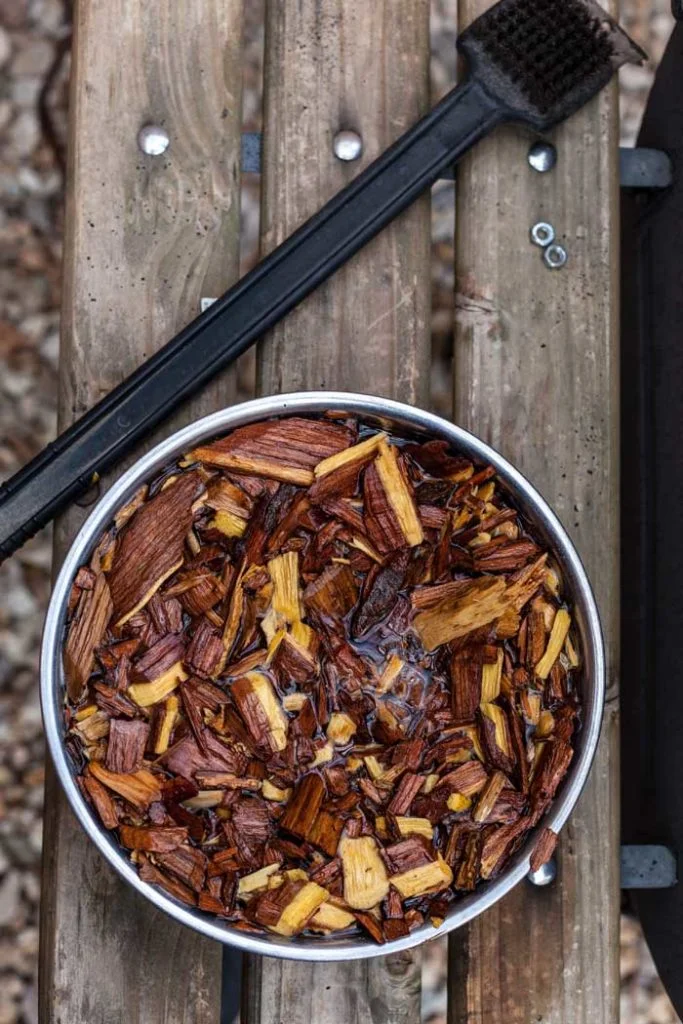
point(552, 55)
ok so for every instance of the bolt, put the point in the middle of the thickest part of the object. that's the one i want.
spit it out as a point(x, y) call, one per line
point(555, 256)
point(347, 145)
point(542, 234)
point(545, 875)
point(542, 157)
point(153, 139)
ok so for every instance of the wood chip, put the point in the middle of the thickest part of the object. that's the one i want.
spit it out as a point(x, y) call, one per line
point(321, 679)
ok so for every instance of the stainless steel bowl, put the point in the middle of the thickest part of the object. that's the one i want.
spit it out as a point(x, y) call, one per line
point(392, 416)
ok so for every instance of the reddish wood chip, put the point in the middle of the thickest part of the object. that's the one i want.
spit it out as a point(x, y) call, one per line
point(303, 807)
point(408, 788)
point(126, 746)
point(151, 544)
point(312, 668)
point(86, 630)
point(152, 840)
point(544, 849)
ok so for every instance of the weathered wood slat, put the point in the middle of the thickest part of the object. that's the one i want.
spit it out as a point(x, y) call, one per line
point(146, 237)
point(334, 64)
point(536, 367)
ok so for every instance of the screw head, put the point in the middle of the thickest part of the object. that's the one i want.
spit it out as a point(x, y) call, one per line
point(555, 256)
point(542, 157)
point(545, 875)
point(153, 139)
point(347, 145)
point(542, 234)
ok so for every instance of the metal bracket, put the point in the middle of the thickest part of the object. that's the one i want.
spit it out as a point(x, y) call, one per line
point(638, 168)
point(645, 168)
point(648, 867)
point(251, 152)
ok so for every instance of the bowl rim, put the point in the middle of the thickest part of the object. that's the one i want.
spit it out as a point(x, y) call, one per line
point(404, 416)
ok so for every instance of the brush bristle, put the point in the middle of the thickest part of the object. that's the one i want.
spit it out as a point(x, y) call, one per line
point(547, 47)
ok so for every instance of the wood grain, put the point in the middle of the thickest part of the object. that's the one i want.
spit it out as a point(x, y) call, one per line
point(146, 237)
point(536, 375)
point(334, 64)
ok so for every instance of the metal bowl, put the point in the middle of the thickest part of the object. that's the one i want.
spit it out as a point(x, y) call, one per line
point(393, 416)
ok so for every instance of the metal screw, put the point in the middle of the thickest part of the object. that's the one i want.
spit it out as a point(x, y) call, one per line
point(545, 875)
point(542, 234)
point(542, 157)
point(153, 139)
point(555, 256)
point(347, 145)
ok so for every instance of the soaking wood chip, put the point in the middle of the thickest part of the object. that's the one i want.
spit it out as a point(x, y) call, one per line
point(321, 678)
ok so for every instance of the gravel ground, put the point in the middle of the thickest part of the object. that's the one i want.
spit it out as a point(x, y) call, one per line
point(34, 65)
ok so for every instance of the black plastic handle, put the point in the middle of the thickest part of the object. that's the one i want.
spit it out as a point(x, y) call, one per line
point(63, 470)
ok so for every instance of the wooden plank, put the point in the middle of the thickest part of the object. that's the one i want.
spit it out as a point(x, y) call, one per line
point(146, 237)
point(334, 64)
point(536, 369)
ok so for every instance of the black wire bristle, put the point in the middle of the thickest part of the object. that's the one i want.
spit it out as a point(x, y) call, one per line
point(547, 47)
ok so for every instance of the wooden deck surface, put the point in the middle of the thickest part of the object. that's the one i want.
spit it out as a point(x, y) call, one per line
point(536, 375)
point(146, 238)
point(333, 64)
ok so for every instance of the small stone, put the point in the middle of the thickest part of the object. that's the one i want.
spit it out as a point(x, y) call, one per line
point(20, 758)
point(36, 552)
point(35, 776)
point(29, 1007)
point(28, 941)
point(25, 91)
point(24, 133)
point(9, 1011)
point(661, 1011)
point(34, 798)
point(31, 887)
point(30, 719)
point(20, 602)
point(12, 958)
point(49, 14)
point(41, 185)
point(49, 349)
point(16, 384)
point(35, 837)
point(5, 732)
point(5, 46)
point(18, 850)
point(24, 680)
point(34, 58)
point(629, 961)
point(13, 987)
point(10, 898)
point(6, 111)
point(9, 186)
point(661, 25)
point(13, 14)
point(635, 77)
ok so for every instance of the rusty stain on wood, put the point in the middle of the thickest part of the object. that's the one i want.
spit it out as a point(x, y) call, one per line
point(536, 375)
point(334, 64)
point(146, 238)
